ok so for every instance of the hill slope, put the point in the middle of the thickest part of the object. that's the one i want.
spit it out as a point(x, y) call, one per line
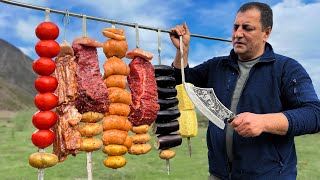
point(16, 78)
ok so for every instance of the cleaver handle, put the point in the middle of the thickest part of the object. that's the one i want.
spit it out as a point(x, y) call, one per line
point(229, 120)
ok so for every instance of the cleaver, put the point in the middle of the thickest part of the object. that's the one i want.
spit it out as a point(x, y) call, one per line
point(209, 105)
point(206, 100)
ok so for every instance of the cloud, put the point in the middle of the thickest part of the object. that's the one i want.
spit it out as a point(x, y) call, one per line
point(295, 34)
point(25, 28)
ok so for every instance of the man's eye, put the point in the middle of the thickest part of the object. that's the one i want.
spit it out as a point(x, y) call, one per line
point(235, 28)
point(247, 28)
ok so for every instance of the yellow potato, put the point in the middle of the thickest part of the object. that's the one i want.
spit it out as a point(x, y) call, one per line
point(115, 150)
point(90, 129)
point(115, 162)
point(167, 154)
point(138, 149)
point(91, 117)
point(140, 129)
point(141, 138)
point(42, 160)
point(90, 144)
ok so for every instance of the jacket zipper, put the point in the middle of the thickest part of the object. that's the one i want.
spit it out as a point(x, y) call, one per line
point(250, 73)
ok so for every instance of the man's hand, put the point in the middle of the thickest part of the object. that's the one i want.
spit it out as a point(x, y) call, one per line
point(252, 125)
point(181, 30)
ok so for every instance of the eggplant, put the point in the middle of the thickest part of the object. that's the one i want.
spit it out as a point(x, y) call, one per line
point(166, 81)
point(163, 70)
point(167, 103)
point(168, 115)
point(164, 93)
point(167, 141)
point(165, 128)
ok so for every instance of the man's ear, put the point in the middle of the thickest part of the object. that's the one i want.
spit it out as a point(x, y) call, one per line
point(267, 33)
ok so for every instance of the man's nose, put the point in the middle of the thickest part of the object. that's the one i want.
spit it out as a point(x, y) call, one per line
point(238, 33)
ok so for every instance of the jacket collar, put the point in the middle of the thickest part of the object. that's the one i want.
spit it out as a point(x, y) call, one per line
point(267, 56)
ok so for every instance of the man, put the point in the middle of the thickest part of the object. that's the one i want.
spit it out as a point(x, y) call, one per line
point(272, 95)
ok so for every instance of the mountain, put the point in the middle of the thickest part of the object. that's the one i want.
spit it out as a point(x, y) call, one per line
point(16, 78)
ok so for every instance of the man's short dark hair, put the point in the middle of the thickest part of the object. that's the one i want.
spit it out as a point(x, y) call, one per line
point(266, 18)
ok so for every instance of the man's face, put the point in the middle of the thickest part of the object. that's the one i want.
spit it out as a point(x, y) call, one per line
point(247, 37)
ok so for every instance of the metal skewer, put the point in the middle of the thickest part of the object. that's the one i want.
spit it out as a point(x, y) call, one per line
point(159, 62)
point(89, 154)
point(183, 82)
point(189, 146)
point(168, 166)
point(106, 20)
point(41, 170)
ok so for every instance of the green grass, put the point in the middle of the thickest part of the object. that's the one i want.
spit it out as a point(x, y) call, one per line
point(16, 146)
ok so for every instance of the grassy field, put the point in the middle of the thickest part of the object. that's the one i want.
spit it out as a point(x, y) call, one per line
point(16, 146)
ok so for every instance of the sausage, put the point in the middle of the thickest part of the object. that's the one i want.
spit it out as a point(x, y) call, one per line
point(128, 142)
point(114, 65)
point(116, 81)
point(119, 109)
point(114, 33)
point(114, 136)
point(116, 122)
point(115, 48)
point(119, 95)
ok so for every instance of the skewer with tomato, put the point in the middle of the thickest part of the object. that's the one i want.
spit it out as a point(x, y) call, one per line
point(46, 48)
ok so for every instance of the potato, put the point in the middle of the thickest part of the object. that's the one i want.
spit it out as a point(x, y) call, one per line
point(90, 129)
point(167, 154)
point(42, 160)
point(140, 129)
point(91, 117)
point(141, 138)
point(115, 162)
point(138, 149)
point(115, 150)
point(90, 144)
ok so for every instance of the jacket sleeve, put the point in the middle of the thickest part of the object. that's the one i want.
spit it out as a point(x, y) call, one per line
point(197, 75)
point(303, 112)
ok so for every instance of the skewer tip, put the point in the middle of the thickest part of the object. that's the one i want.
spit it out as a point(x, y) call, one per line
point(168, 166)
point(189, 146)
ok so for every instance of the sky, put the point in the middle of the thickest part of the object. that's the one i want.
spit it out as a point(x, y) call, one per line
point(295, 32)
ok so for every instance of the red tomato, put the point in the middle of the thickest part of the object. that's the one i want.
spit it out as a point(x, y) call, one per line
point(47, 31)
point(45, 84)
point(44, 66)
point(44, 119)
point(47, 48)
point(46, 101)
point(42, 138)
